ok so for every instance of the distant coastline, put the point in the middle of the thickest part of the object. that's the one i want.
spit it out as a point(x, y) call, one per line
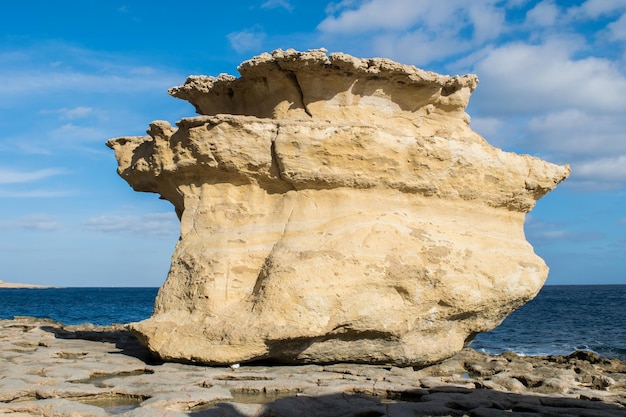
point(18, 285)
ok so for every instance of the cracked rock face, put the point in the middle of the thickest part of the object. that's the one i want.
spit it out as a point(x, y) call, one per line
point(334, 209)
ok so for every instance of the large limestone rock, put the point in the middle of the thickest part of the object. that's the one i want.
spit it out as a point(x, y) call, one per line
point(334, 209)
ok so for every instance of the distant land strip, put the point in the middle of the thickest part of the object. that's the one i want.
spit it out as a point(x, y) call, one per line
point(19, 285)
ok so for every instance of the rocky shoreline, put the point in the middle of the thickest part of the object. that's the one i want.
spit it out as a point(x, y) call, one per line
point(49, 369)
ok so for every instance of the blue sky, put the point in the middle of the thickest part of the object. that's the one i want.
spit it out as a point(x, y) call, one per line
point(75, 73)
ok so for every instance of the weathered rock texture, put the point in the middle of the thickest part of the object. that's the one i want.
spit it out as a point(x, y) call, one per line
point(334, 209)
point(51, 370)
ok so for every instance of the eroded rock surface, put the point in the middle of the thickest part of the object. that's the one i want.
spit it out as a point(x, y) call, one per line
point(47, 369)
point(334, 209)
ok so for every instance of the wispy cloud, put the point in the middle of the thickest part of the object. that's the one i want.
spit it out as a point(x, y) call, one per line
point(10, 176)
point(20, 183)
point(71, 132)
point(65, 113)
point(602, 174)
point(81, 98)
point(23, 147)
point(154, 224)
point(40, 222)
point(379, 14)
point(32, 71)
point(544, 14)
point(617, 29)
point(576, 134)
point(26, 82)
point(36, 193)
point(418, 32)
point(273, 4)
point(545, 232)
point(592, 9)
point(544, 236)
point(246, 40)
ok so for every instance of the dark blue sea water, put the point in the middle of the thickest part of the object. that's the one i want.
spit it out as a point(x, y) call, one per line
point(101, 306)
point(560, 320)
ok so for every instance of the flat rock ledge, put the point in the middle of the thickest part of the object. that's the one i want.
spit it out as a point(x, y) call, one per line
point(48, 369)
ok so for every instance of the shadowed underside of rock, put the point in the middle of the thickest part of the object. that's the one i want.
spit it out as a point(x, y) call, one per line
point(334, 209)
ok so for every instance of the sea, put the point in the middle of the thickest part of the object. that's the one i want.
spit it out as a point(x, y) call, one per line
point(559, 321)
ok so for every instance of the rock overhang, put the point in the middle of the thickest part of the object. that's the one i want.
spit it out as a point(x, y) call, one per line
point(293, 85)
point(312, 170)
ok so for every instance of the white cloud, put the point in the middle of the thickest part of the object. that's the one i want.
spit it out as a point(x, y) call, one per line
point(154, 224)
point(10, 176)
point(553, 98)
point(608, 171)
point(417, 47)
point(485, 19)
point(246, 40)
point(76, 112)
point(592, 9)
point(488, 21)
point(335, 7)
point(617, 29)
point(522, 78)
point(272, 4)
point(578, 134)
point(378, 14)
point(414, 32)
point(544, 14)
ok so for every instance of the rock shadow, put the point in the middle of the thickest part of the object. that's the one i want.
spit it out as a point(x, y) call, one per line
point(437, 401)
point(123, 339)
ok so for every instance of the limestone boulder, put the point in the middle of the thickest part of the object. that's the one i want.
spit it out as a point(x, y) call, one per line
point(334, 209)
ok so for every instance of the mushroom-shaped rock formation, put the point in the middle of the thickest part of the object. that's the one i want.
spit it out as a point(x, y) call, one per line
point(334, 209)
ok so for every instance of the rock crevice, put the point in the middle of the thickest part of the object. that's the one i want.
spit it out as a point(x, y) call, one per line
point(321, 192)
